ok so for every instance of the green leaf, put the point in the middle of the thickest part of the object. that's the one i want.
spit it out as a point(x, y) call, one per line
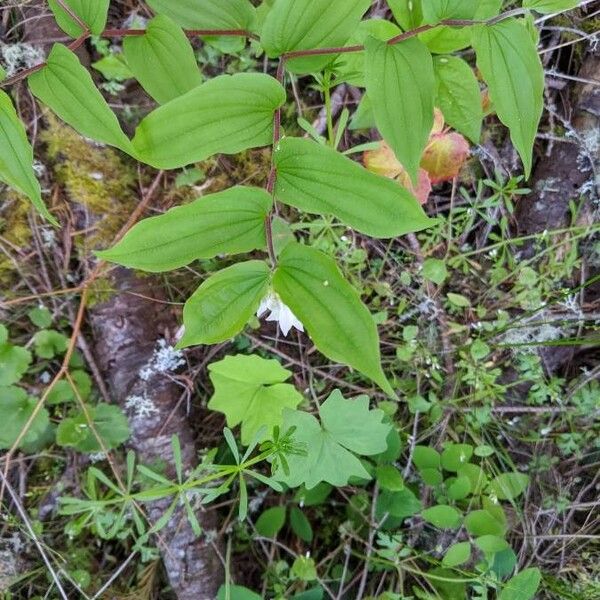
point(312, 286)
point(458, 300)
point(109, 423)
point(490, 544)
point(227, 114)
point(509, 62)
point(550, 6)
point(113, 66)
point(346, 427)
point(434, 269)
point(476, 476)
point(442, 516)
point(408, 13)
point(350, 67)
point(220, 308)
point(250, 390)
point(207, 14)
point(435, 11)
point(14, 360)
point(455, 456)
point(319, 180)
point(398, 505)
point(457, 555)
point(509, 486)
point(63, 390)
point(522, 586)
point(301, 525)
point(310, 24)
point(92, 12)
point(236, 592)
point(66, 87)
point(458, 95)
point(48, 343)
point(271, 521)
point(40, 316)
point(445, 40)
point(401, 85)
point(460, 488)
point(482, 522)
point(229, 222)
point(16, 158)
point(16, 408)
point(425, 457)
point(163, 60)
point(389, 478)
point(304, 569)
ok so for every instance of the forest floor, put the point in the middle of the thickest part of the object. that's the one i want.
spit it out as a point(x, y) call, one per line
point(488, 322)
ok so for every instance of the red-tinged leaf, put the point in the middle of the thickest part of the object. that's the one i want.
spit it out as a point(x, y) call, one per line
point(383, 161)
point(423, 189)
point(438, 122)
point(444, 156)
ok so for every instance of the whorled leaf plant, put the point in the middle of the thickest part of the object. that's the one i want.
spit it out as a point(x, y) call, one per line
point(404, 75)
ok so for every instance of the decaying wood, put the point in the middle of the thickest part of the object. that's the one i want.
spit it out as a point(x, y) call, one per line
point(128, 329)
point(572, 167)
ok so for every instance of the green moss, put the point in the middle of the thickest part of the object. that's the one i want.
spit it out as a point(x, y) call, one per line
point(96, 177)
point(15, 231)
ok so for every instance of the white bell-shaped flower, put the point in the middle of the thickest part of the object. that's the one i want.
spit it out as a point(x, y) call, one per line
point(279, 312)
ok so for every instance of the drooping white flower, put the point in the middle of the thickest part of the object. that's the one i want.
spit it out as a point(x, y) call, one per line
point(279, 312)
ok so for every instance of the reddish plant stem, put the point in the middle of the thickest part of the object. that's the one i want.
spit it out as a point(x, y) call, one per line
point(188, 32)
point(273, 172)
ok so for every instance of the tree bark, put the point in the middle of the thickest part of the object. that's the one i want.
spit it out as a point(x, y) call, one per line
point(127, 330)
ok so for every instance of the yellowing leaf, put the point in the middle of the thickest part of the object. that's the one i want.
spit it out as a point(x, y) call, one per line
point(384, 162)
point(444, 156)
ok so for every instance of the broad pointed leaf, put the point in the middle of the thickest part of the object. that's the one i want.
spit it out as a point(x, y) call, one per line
point(207, 14)
point(401, 86)
point(319, 180)
point(66, 87)
point(458, 95)
point(509, 62)
point(251, 391)
point(550, 6)
point(92, 12)
point(227, 114)
point(346, 428)
point(223, 304)
point(16, 157)
point(228, 222)
point(310, 24)
point(340, 325)
point(163, 60)
point(522, 586)
point(408, 13)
